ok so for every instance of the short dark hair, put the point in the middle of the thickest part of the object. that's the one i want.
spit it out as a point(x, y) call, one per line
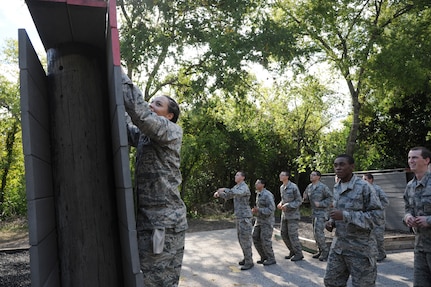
point(349, 158)
point(369, 175)
point(262, 181)
point(287, 173)
point(425, 153)
point(317, 172)
point(173, 108)
point(242, 173)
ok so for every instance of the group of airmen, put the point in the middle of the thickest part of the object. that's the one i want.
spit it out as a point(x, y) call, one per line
point(355, 208)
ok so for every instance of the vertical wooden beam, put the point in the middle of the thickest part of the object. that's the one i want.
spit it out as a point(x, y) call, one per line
point(84, 184)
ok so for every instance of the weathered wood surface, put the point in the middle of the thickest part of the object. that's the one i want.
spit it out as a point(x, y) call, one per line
point(82, 165)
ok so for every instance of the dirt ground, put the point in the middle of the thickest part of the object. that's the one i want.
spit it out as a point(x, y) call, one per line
point(15, 259)
point(16, 237)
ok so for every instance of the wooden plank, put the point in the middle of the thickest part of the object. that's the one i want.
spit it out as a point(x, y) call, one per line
point(62, 22)
point(43, 261)
point(41, 219)
point(53, 279)
point(125, 207)
point(36, 142)
point(35, 138)
point(29, 61)
point(37, 104)
point(88, 24)
point(38, 178)
point(393, 184)
point(52, 22)
point(125, 203)
point(130, 258)
point(122, 169)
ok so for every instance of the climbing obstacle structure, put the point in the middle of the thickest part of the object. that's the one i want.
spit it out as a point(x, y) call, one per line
point(82, 228)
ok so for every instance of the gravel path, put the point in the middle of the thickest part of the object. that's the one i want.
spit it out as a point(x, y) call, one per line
point(15, 268)
point(15, 264)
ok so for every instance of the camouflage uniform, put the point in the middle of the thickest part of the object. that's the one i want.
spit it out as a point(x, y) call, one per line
point(417, 200)
point(379, 231)
point(241, 200)
point(159, 205)
point(264, 225)
point(292, 199)
point(320, 193)
point(354, 248)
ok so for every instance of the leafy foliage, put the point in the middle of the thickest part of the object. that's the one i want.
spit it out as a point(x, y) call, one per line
point(201, 53)
point(12, 190)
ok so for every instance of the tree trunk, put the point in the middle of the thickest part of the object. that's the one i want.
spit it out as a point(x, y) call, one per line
point(353, 135)
point(10, 141)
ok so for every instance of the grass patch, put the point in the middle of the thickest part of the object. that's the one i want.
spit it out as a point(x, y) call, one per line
point(14, 224)
point(13, 230)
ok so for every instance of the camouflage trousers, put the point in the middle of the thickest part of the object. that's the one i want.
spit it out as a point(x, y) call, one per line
point(379, 233)
point(422, 269)
point(262, 239)
point(162, 270)
point(362, 269)
point(319, 233)
point(289, 233)
point(244, 229)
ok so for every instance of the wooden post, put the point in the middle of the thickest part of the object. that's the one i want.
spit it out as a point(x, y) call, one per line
point(87, 228)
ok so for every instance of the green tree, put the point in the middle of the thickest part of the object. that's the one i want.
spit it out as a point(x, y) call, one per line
point(397, 113)
point(12, 191)
point(207, 42)
point(344, 33)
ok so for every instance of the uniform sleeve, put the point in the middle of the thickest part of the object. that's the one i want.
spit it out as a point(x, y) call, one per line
point(269, 207)
point(158, 129)
point(382, 196)
point(408, 208)
point(133, 132)
point(241, 190)
point(297, 201)
point(371, 213)
point(327, 195)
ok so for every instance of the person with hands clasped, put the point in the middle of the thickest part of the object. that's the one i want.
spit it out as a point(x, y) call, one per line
point(417, 202)
point(320, 198)
point(264, 225)
point(356, 211)
point(291, 200)
point(241, 201)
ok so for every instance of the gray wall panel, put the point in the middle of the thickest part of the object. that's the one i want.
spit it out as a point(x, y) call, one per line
point(38, 170)
point(393, 183)
point(38, 178)
point(40, 229)
point(35, 138)
point(41, 265)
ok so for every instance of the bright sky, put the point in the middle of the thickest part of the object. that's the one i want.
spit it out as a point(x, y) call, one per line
point(14, 15)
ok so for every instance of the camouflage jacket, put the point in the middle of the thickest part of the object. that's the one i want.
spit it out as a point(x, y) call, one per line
point(320, 193)
point(241, 199)
point(291, 199)
point(362, 212)
point(417, 202)
point(157, 170)
point(382, 196)
point(265, 203)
